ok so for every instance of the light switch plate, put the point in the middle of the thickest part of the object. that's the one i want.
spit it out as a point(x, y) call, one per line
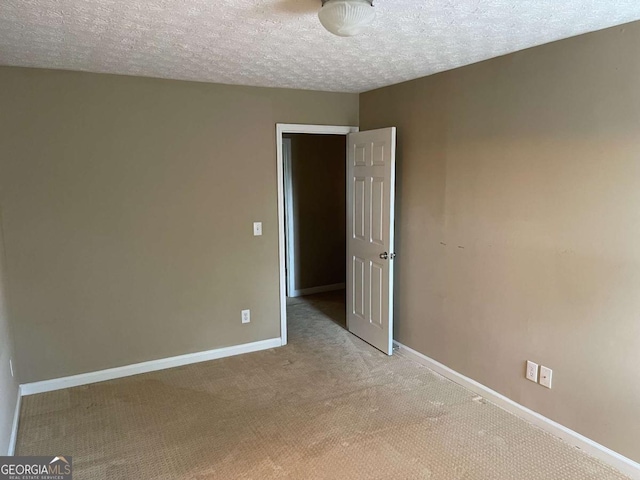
point(532, 371)
point(257, 229)
point(545, 376)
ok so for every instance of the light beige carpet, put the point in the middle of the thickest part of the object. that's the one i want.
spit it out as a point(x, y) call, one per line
point(327, 406)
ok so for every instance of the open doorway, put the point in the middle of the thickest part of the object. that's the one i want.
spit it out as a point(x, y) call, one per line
point(315, 224)
point(370, 197)
point(315, 213)
point(312, 207)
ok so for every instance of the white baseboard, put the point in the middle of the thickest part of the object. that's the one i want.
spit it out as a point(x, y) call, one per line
point(622, 463)
point(14, 427)
point(144, 367)
point(321, 289)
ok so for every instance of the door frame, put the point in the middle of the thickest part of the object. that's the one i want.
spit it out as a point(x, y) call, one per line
point(290, 263)
point(282, 128)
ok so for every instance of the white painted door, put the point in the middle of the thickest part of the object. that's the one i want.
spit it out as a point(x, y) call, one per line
point(371, 159)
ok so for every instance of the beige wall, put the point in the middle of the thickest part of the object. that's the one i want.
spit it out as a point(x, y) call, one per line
point(519, 224)
point(318, 168)
point(128, 210)
point(8, 384)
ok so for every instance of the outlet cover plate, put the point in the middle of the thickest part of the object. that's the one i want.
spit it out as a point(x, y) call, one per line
point(532, 371)
point(545, 376)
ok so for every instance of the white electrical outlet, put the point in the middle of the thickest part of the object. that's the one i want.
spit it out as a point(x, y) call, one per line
point(532, 371)
point(11, 366)
point(246, 316)
point(545, 376)
point(257, 229)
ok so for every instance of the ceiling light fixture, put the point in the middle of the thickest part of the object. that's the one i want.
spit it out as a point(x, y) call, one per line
point(346, 18)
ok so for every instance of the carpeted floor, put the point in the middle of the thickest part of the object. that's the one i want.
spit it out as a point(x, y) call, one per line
point(327, 406)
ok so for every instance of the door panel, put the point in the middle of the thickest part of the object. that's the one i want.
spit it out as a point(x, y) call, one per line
point(358, 287)
point(378, 157)
point(360, 155)
point(377, 294)
point(370, 239)
point(377, 235)
point(359, 211)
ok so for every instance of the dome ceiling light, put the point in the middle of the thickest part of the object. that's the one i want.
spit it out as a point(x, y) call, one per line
point(346, 18)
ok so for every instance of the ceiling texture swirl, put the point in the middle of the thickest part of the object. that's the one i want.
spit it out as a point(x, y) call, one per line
point(280, 43)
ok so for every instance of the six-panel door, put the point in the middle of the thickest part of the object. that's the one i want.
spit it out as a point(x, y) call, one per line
point(370, 242)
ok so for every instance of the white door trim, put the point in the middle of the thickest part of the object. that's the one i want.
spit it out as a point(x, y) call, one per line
point(288, 225)
point(282, 128)
point(13, 439)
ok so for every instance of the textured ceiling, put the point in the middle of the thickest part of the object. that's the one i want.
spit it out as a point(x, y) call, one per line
point(280, 43)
